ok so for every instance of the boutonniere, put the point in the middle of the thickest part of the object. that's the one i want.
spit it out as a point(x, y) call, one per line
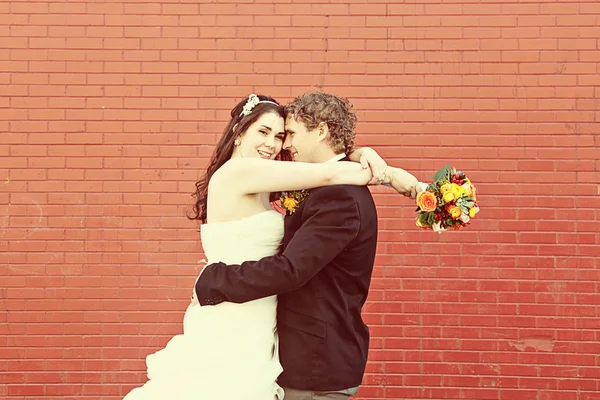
point(291, 200)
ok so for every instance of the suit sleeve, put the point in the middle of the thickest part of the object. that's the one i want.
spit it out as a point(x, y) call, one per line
point(332, 222)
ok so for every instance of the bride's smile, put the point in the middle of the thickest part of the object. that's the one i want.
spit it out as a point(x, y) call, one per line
point(263, 139)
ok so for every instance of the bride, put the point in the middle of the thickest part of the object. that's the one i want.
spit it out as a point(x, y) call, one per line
point(229, 351)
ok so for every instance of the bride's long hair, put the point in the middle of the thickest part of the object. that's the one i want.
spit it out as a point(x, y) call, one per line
point(237, 126)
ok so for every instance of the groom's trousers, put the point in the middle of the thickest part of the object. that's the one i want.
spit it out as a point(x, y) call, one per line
point(293, 394)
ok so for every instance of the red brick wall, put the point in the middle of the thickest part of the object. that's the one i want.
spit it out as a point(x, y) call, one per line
point(108, 111)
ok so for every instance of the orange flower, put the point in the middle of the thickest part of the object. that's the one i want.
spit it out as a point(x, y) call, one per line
point(427, 201)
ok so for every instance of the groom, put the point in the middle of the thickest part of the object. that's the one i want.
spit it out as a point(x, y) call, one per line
point(322, 277)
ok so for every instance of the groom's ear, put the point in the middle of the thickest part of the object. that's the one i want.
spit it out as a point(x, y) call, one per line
point(323, 130)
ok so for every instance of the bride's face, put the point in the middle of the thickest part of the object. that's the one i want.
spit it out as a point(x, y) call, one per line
point(264, 138)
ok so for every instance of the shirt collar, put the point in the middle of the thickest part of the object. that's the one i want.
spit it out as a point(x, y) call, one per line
point(336, 158)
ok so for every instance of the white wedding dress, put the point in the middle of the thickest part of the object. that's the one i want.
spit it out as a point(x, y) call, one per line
point(228, 351)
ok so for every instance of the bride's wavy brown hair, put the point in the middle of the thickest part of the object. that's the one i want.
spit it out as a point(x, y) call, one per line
point(237, 126)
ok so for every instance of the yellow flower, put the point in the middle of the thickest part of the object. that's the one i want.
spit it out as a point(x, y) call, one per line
point(448, 197)
point(446, 187)
point(473, 211)
point(457, 191)
point(426, 201)
point(290, 203)
point(467, 188)
point(455, 212)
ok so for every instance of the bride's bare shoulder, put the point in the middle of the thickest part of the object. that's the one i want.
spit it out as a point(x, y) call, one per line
point(231, 169)
point(225, 197)
point(222, 175)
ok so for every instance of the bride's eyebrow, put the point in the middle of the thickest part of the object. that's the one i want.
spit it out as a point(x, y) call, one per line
point(271, 129)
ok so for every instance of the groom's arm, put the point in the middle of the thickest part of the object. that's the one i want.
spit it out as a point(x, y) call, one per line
point(332, 224)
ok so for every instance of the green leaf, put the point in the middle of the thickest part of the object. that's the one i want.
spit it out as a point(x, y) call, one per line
point(432, 187)
point(426, 218)
point(441, 173)
point(463, 202)
point(430, 218)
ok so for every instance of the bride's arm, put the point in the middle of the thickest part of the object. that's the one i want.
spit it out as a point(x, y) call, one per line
point(256, 175)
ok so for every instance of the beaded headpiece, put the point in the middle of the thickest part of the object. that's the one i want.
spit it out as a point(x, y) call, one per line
point(252, 101)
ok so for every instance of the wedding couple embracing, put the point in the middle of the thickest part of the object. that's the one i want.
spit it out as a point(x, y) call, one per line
point(276, 313)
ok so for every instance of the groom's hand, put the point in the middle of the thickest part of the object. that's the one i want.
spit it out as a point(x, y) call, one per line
point(194, 297)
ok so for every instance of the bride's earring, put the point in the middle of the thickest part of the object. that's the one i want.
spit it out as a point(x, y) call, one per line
point(237, 142)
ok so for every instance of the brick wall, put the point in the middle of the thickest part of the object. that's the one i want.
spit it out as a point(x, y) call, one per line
point(109, 110)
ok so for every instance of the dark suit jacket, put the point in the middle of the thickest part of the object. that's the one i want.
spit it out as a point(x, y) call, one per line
point(322, 279)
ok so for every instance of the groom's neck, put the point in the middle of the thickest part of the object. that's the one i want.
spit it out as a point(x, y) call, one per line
point(324, 154)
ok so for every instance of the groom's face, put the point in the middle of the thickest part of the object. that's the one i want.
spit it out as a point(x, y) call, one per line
point(299, 141)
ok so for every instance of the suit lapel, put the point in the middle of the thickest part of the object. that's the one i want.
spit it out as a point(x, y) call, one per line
point(292, 222)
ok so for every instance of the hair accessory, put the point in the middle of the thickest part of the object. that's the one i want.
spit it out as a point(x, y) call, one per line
point(253, 100)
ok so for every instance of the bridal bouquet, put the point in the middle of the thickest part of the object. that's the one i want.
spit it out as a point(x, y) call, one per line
point(449, 202)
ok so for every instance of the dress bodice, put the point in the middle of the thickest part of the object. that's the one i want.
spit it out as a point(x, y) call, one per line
point(247, 239)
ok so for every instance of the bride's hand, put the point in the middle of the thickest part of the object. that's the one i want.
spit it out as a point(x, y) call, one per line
point(370, 159)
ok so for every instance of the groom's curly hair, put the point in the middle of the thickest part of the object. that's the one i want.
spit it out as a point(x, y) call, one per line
point(315, 107)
